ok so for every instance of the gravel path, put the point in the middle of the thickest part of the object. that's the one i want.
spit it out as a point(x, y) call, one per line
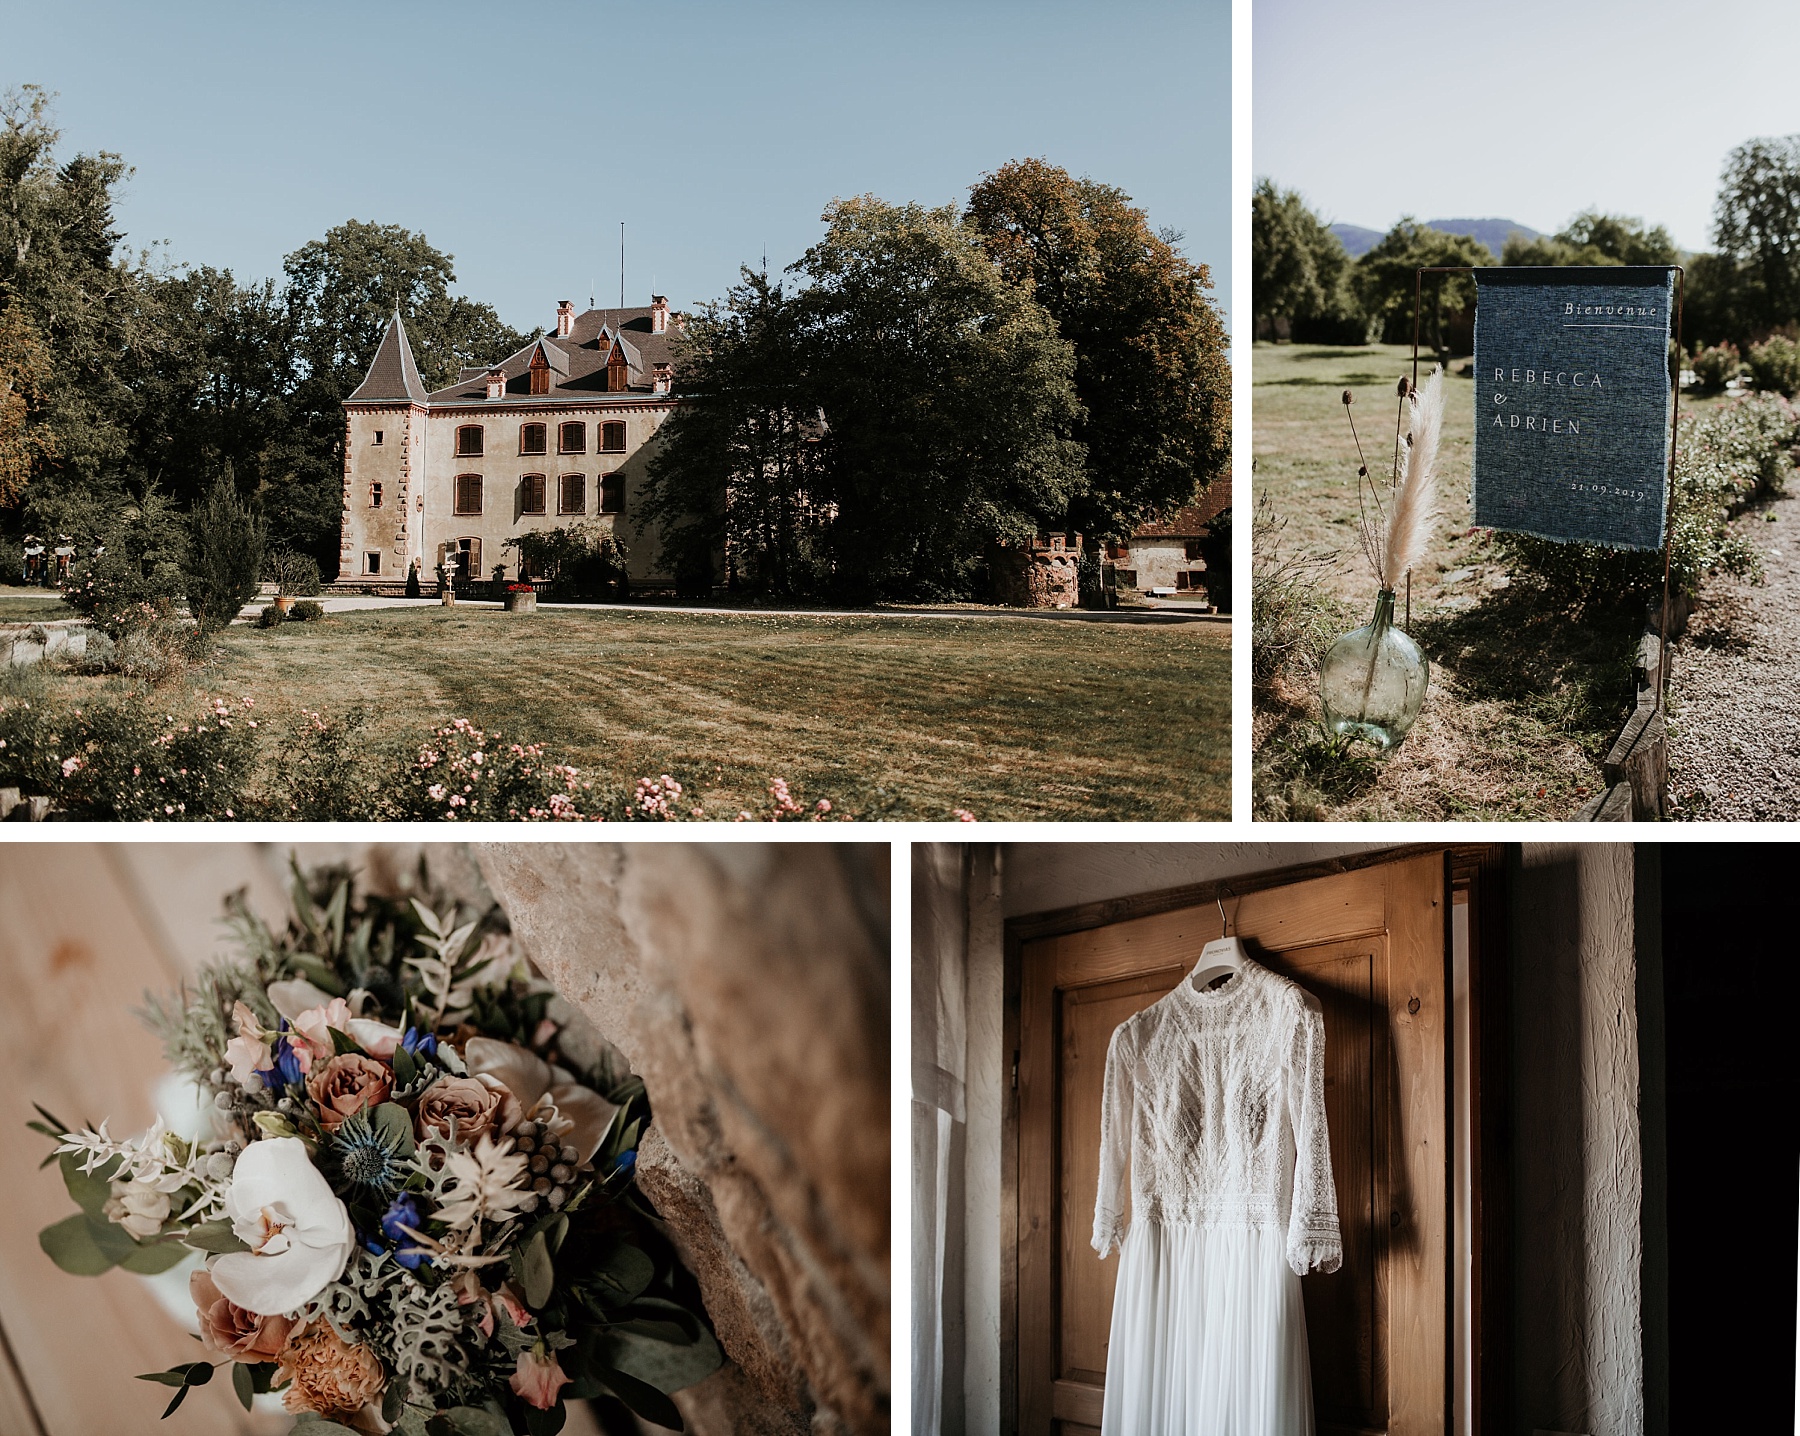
point(1734, 750)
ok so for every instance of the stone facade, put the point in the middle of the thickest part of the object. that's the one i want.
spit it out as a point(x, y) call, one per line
point(403, 460)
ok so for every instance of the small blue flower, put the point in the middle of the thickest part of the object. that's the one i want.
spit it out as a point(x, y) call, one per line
point(287, 1063)
point(627, 1163)
point(403, 1212)
point(416, 1043)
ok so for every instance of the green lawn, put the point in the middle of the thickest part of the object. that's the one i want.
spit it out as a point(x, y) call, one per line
point(31, 605)
point(887, 717)
point(1524, 702)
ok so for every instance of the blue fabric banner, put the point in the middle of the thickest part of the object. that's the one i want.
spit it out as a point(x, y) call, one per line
point(1572, 403)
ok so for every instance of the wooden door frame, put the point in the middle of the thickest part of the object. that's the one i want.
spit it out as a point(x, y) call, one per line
point(1478, 870)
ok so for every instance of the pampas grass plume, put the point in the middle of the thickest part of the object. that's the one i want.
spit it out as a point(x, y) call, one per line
point(1414, 503)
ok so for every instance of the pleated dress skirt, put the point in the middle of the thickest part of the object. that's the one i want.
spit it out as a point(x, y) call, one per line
point(1208, 1335)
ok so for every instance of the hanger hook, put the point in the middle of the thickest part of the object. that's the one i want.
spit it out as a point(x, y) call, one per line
point(1224, 924)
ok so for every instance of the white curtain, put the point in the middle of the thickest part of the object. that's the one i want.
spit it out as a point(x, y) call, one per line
point(940, 937)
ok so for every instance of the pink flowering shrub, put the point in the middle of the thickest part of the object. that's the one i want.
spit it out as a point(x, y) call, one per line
point(783, 807)
point(465, 774)
point(125, 762)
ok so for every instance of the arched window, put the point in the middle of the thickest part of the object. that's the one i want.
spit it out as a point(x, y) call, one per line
point(468, 441)
point(571, 438)
point(531, 494)
point(571, 496)
point(531, 438)
point(612, 494)
point(612, 437)
point(468, 493)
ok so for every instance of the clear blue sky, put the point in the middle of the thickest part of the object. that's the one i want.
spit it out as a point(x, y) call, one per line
point(517, 136)
point(1531, 111)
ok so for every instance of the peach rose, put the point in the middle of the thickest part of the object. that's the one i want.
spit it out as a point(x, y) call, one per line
point(346, 1085)
point(474, 1104)
point(225, 1327)
point(329, 1376)
point(538, 1378)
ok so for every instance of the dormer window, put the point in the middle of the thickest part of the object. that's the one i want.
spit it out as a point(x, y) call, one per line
point(618, 372)
point(532, 438)
point(468, 441)
point(571, 438)
point(540, 372)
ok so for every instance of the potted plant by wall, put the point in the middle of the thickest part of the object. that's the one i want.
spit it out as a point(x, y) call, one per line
point(521, 598)
point(295, 575)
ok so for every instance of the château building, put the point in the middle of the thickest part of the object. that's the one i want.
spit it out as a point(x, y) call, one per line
point(555, 434)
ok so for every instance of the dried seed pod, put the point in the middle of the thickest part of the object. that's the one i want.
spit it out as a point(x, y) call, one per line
point(1348, 400)
point(529, 1204)
point(1362, 471)
point(541, 1185)
point(1405, 386)
point(571, 1156)
point(557, 1197)
point(539, 1164)
point(560, 1174)
point(524, 1144)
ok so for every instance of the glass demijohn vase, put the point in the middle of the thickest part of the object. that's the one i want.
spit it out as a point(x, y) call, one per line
point(1372, 683)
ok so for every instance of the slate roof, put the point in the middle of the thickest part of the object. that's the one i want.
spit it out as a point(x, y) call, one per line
point(583, 352)
point(1192, 520)
point(393, 374)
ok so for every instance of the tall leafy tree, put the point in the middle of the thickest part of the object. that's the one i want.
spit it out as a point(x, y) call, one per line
point(26, 440)
point(947, 398)
point(1299, 270)
point(1150, 366)
point(1594, 238)
point(1384, 280)
point(1756, 226)
point(341, 291)
point(736, 472)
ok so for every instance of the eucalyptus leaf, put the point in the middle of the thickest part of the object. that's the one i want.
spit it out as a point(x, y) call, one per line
point(345, 1044)
point(624, 1272)
point(536, 1273)
point(393, 1401)
point(71, 1245)
point(545, 1423)
point(153, 1257)
point(668, 1331)
point(244, 1384)
point(406, 1067)
point(644, 1399)
point(666, 1365)
point(91, 1190)
point(317, 1427)
point(177, 1377)
point(318, 973)
point(217, 1237)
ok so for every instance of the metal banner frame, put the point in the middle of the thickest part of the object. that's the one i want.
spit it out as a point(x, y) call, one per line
point(1662, 636)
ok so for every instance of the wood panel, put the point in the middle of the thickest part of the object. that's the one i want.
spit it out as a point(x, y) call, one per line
point(1371, 944)
point(1340, 905)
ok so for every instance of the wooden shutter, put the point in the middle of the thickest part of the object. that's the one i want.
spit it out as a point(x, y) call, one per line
point(573, 498)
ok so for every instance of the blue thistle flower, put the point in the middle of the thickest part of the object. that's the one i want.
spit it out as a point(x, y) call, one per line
point(286, 1063)
point(368, 1156)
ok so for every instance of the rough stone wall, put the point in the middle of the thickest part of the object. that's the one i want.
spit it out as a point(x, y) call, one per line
point(1578, 1327)
point(1036, 579)
point(748, 986)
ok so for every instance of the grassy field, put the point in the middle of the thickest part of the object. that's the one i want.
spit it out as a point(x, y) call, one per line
point(1523, 703)
point(889, 718)
point(31, 605)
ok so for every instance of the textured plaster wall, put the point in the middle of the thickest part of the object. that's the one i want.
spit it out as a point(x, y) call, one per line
point(1579, 1173)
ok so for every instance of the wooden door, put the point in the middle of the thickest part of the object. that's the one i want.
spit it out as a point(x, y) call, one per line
point(1371, 945)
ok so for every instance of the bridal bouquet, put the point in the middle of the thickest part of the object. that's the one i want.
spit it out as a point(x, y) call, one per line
point(414, 1210)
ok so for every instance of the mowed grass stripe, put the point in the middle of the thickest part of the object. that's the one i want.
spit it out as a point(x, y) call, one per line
point(888, 717)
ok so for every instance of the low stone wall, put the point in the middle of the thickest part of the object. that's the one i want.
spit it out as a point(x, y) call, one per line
point(20, 646)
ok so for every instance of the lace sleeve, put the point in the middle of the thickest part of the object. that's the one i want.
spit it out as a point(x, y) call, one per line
point(1313, 1239)
point(1111, 1220)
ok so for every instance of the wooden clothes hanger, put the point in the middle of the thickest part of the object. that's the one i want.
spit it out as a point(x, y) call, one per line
point(1224, 956)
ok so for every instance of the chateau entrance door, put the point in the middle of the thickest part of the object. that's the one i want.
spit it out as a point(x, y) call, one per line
point(1372, 944)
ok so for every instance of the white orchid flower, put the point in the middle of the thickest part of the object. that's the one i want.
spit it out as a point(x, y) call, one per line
point(584, 1114)
point(376, 1038)
point(296, 995)
point(298, 1231)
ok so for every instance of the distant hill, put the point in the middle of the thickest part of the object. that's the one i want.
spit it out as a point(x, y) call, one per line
point(1358, 241)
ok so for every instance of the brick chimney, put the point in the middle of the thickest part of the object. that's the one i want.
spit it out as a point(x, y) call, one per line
point(663, 378)
point(659, 313)
point(496, 383)
point(565, 319)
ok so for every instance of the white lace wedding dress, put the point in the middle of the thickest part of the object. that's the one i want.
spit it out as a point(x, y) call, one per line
point(1215, 1101)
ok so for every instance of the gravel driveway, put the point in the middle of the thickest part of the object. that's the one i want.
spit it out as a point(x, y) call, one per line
point(1734, 752)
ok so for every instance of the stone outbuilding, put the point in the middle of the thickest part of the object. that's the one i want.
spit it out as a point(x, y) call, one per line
point(1166, 558)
